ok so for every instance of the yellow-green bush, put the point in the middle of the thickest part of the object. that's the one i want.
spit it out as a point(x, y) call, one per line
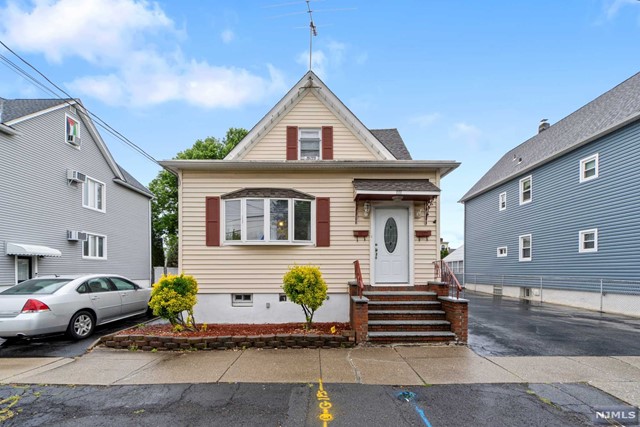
point(172, 297)
point(305, 286)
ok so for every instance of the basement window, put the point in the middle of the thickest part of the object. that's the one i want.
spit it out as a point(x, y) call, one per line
point(242, 300)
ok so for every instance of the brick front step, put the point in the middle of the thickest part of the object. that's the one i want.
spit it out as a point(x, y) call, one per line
point(404, 305)
point(404, 337)
point(409, 325)
point(400, 296)
point(406, 315)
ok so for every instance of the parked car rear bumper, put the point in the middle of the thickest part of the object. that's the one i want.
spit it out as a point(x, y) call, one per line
point(32, 324)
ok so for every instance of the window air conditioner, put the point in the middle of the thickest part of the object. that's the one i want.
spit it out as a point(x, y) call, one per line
point(75, 176)
point(76, 235)
point(74, 140)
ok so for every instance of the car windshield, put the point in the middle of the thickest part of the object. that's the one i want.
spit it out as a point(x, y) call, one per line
point(36, 286)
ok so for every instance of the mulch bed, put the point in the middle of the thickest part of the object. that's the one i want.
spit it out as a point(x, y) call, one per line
point(219, 329)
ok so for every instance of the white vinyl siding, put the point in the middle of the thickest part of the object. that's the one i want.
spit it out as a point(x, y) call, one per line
point(525, 248)
point(309, 113)
point(526, 190)
point(226, 269)
point(588, 240)
point(589, 168)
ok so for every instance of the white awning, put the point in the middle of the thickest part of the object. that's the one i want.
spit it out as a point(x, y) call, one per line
point(31, 250)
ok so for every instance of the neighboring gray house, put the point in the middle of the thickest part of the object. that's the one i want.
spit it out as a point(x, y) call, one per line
point(65, 205)
point(556, 218)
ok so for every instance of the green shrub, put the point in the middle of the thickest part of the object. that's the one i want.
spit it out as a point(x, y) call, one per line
point(304, 285)
point(172, 297)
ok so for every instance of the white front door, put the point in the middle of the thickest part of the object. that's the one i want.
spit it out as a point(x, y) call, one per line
point(391, 245)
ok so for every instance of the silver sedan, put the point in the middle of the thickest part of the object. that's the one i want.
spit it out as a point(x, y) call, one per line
point(71, 304)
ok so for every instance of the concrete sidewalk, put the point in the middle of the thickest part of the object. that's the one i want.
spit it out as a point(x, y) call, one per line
point(411, 365)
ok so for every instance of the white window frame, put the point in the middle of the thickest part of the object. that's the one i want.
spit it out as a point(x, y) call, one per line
point(267, 223)
point(581, 240)
point(502, 254)
point(502, 200)
point(66, 135)
point(319, 131)
point(243, 301)
point(583, 169)
point(104, 246)
point(86, 204)
point(521, 247)
point(521, 187)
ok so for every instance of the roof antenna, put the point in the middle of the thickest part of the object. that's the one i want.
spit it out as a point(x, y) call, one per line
point(313, 31)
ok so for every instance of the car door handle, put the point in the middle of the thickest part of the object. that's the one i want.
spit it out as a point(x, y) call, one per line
point(94, 297)
point(124, 294)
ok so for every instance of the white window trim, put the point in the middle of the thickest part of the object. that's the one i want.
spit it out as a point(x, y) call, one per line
point(500, 207)
point(319, 130)
point(520, 239)
point(104, 258)
point(267, 228)
point(77, 147)
point(584, 162)
point(581, 234)
point(243, 303)
point(498, 254)
point(530, 179)
point(104, 195)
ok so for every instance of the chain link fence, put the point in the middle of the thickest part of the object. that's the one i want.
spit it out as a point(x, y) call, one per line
point(600, 293)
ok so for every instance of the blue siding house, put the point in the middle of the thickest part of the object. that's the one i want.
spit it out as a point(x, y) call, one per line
point(66, 206)
point(556, 218)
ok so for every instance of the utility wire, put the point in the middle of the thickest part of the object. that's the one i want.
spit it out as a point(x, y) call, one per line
point(103, 124)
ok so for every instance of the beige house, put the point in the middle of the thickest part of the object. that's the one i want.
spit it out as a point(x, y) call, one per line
point(309, 184)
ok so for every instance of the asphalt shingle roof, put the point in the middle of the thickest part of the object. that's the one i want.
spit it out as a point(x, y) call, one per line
point(620, 104)
point(11, 109)
point(284, 193)
point(394, 185)
point(393, 142)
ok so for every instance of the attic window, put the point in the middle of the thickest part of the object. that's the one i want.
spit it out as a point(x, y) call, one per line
point(310, 143)
point(72, 133)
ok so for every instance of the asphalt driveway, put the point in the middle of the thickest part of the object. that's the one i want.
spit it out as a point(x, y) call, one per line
point(502, 326)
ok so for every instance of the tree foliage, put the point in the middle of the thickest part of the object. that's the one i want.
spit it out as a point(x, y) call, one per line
point(304, 285)
point(164, 207)
point(173, 296)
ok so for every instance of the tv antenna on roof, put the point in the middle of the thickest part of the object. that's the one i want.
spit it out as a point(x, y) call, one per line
point(313, 31)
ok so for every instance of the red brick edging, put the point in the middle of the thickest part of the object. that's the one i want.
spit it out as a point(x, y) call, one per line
point(166, 343)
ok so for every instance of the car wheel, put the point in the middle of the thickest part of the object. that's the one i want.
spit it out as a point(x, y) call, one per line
point(81, 325)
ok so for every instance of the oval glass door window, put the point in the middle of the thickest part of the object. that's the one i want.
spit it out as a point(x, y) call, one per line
point(391, 235)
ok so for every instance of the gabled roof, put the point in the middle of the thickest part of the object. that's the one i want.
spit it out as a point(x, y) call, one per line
point(311, 82)
point(393, 142)
point(11, 109)
point(14, 111)
point(610, 111)
point(455, 255)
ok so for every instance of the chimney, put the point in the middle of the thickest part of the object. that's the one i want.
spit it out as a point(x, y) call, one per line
point(544, 125)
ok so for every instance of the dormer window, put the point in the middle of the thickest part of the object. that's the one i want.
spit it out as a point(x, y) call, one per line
point(310, 143)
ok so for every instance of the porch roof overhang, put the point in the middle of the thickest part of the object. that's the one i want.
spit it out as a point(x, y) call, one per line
point(31, 250)
point(394, 189)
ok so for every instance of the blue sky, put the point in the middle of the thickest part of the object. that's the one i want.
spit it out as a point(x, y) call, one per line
point(461, 80)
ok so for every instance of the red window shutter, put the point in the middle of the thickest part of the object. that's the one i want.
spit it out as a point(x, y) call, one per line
point(323, 221)
point(292, 142)
point(212, 217)
point(327, 142)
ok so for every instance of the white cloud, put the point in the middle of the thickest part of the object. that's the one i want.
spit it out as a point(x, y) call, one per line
point(331, 56)
point(227, 36)
point(132, 45)
point(319, 62)
point(425, 120)
point(468, 134)
point(612, 7)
